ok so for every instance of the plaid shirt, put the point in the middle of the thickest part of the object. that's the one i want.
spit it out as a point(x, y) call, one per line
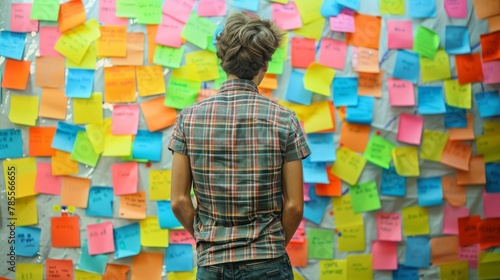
point(237, 142)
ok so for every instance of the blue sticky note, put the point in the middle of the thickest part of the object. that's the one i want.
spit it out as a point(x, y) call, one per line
point(250, 5)
point(493, 177)
point(488, 103)
point(100, 202)
point(322, 147)
point(418, 252)
point(315, 207)
point(79, 83)
point(455, 117)
point(351, 4)
point(405, 273)
point(65, 136)
point(27, 241)
point(96, 263)
point(12, 44)
point(422, 8)
point(430, 191)
point(330, 8)
point(407, 66)
point(314, 172)
point(127, 240)
point(392, 184)
point(431, 100)
point(11, 143)
point(457, 40)
point(147, 145)
point(179, 257)
point(362, 113)
point(166, 217)
point(345, 91)
point(296, 92)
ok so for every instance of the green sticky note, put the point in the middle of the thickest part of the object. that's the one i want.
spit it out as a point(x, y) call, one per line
point(168, 57)
point(392, 7)
point(148, 11)
point(83, 151)
point(198, 30)
point(320, 243)
point(275, 66)
point(426, 42)
point(222, 76)
point(379, 151)
point(126, 8)
point(181, 93)
point(45, 10)
point(365, 197)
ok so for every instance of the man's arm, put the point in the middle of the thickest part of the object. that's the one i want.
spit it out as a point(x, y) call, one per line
point(180, 197)
point(293, 192)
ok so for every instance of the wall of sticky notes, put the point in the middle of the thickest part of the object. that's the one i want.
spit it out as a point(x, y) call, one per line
point(399, 98)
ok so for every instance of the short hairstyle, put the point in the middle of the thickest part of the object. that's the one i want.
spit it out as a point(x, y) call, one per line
point(246, 44)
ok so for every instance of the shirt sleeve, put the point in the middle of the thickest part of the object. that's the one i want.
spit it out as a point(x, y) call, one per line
point(296, 146)
point(177, 141)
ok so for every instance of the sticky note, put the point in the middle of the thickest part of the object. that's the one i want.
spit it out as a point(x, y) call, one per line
point(469, 68)
point(150, 80)
point(343, 211)
point(134, 52)
point(23, 109)
point(179, 257)
point(62, 164)
point(488, 265)
point(11, 143)
point(437, 68)
point(468, 230)
point(333, 188)
point(399, 33)
point(487, 145)
point(489, 205)
point(181, 237)
point(455, 117)
point(83, 151)
point(169, 33)
point(422, 9)
point(407, 66)
point(418, 252)
point(387, 255)
point(330, 8)
point(297, 252)
point(426, 42)
point(57, 269)
point(133, 206)
point(53, 104)
point(488, 103)
point(125, 119)
point(490, 70)
point(20, 18)
point(309, 10)
point(392, 7)
point(321, 145)
point(450, 218)
point(456, 8)
point(65, 136)
point(456, 269)
point(286, 16)
point(332, 53)
point(430, 191)
point(312, 30)
point(45, 10)
point(46, 182)
point(209, 8)
point(26, 213)
point(166, 217)
point(65, 231)
point(415, 221)
point(343, 22)
point(458, 95)
point(401, 92)
point(388, 226)
point(314, 209)
point(127, 240)
point(119, 84)
point(12, 44)
point(320, 243)
point(149, 12)
point(16, 74)
point(405, 273)
point(430, 100)
point(444, 249)
point(456, 154)
point(49, 72)
point(314, 172)
point(296, 91)
point(476, 175)
point(125, 177)
point(117, 145)
point(433, 144)
point(365, 197)
point(108, 14)
point(406, 161)
point(75, 191)
point(179, 10)
point(206, 64)
point(303, 52)
point(410, 129)
point(100, 202)
point(365, 60)
point(454, 194)
point(147, 145)
point(24, 171)
point(29, 270)
point(360, 266)
point(345, 91)
point(148, 265)
point(318, 78)
point(492, 180)
point(362, 37)
point(88, 110)
point(469, 254)
point(74, 43)
point(157, 115)
point(71, 14)
point(27, 241)
point(79, 83)
point(361, 113)
point(488, 50)
point(355, 136)
point(159, 184)
point(89, 60)
point(457, 40)
point(100, 238)
point(91, 263)
point(275, 66)
point(329, 269)
point(351, 237)
point(197, 31)
point(151, 233)
point(48, 36)
point(348, 165)
point(113, 40)
point(392, 184)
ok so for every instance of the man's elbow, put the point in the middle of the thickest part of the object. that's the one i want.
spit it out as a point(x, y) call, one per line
point(295, 209)
point(177, 204)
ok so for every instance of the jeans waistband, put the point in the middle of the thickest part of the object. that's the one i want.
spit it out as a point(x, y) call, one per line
point(260, 262)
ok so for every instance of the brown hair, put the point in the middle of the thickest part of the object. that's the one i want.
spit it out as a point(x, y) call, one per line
point(246, 44)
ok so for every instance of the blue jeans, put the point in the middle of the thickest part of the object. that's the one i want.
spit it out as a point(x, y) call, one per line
point(268, 269)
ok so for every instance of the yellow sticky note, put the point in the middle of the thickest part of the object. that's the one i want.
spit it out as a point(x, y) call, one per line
point(489, 265)
point(433, 144)
point(348, 166)
point(73, 44)
point(297, 275)
point(150, 80)
point(206, 63)
point(489, 147)
point(151, 233)
point(23, 109)
point(187, 72)
point(359, 266)
point(318, 117)
point(491, 128)
point(83, 275)
point(32, 271)
point(159, 184)
point(312, 30)
point(20, 175)
point(454, 270)
point(392, 7)
point(436, 69)
point(184, 275)
point(406, 161)
point(309, 10)
point(332, 269)
point(88, 110)
point(96, 134)
point(89, 60)
point(280, 1)
point(26, 211)
point(56, 208)
point(318, 79)
point(458, 95)
point(117, 145)
point(343, 212)
point(351, 238)
point(415, 220)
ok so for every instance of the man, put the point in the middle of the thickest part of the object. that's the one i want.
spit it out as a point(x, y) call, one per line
point(243, 153)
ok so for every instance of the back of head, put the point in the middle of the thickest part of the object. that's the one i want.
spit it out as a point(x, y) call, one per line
point(246, 44)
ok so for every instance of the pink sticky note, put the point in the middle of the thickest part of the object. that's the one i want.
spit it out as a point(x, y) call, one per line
point(306, 191)
point(450, 218)
point(100, 238)
point(385, 255)
point(180, 237)
point(124, 177)
point(469, 253)
point(333, 53)
point(401, 92)
point(178, 9)
point(48, 39)
point(169, 32)
point(45, 182)
point(343, 22)
point(456, 8)
point(400, 34)
point(490, 205)
point(107, 14)
point(388, 226)
point(410, 129)
point(211, 8)
point(20, 19)
point(491, 72)
point(286, 16)
point(125, 119)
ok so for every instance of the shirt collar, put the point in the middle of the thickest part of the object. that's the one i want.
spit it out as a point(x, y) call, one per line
point(238, 85)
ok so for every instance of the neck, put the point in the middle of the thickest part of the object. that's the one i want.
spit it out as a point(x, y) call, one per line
point(256, 80)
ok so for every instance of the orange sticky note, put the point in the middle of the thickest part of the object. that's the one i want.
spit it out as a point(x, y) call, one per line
point(468, 230)
point(489, 46)
point(466, 133)
point(157, 115)
point(71, 14)
point(370, 84)
point(65, 232)
point(456, 154)
point(152, 30)
point(486, 8)
point(75, 191)
point(53, 104)
point(50, 71)
point(444, 249)
point(147, 266)
point(135, 51)
point(297, 251)
point(133, 206)
point(59, 269)
point(119, 84)
point(476, 174)
point(41, 140)
point(334, 188)
point(16, 74)
point(366, 60)
point(150, 80)
point(354, 136)
point(367, 31)
point(62, 164)
point(116, 272)
point(113, 41)
point(269, 81)
point(303, 52)
point(489, 233)
point(469, 68)
point(453, 194)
